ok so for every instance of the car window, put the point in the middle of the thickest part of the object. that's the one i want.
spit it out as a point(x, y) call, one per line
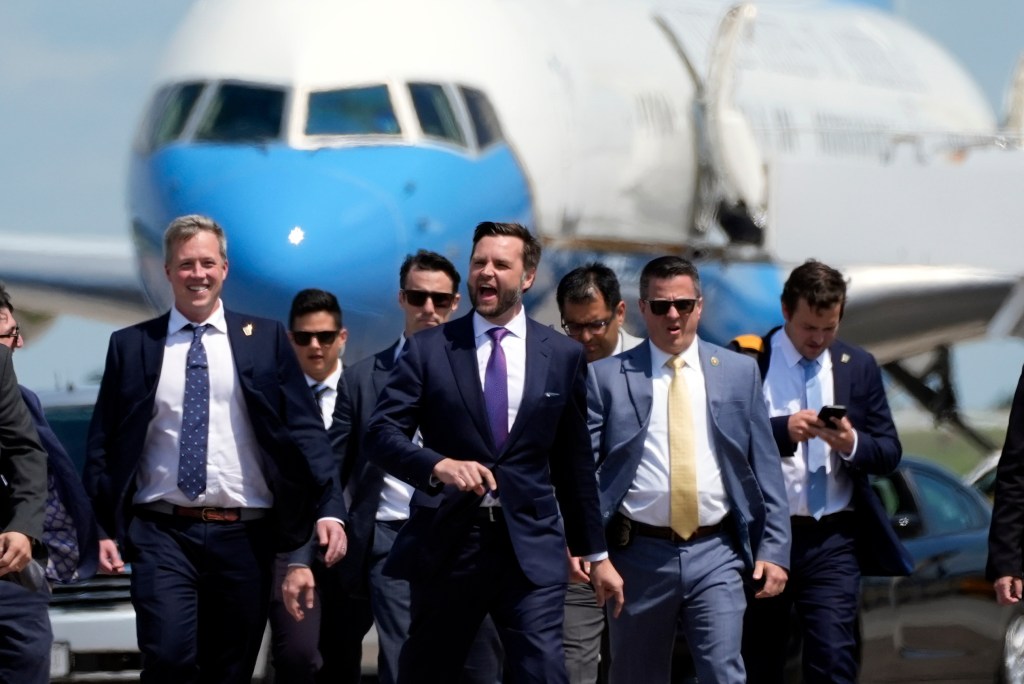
point(242, 113)
point(435, 112)
point(945, 508)
point(352, 111)
point(71, 425)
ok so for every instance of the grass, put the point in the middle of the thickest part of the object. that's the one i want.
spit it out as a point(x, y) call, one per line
point(945, 446)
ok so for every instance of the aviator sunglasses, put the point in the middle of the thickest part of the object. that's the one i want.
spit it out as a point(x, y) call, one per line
point(324, 337)
point(659, 307)
point(442, 300)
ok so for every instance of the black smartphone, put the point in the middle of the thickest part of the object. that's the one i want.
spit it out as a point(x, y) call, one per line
point(831, 411)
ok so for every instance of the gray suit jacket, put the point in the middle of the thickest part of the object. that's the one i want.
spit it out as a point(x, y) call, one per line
point(619, 406)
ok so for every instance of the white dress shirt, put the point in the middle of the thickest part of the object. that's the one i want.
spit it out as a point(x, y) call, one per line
point(329, 399)
point(649, 499)
point(395, 495)
point(234, 476)
point(784, 388)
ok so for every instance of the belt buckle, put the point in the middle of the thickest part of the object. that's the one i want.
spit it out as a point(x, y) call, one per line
point(209, 514)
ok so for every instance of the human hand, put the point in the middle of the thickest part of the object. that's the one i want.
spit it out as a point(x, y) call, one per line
point(15, 552)
point(579, 569)
point(774, 576)
point(607, 585)
point(466, 475)
point(110, 558)
point(297, 591)
point(1008, 590)
point(333, 543)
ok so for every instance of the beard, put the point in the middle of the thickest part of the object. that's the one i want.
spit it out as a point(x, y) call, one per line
point(506, 301)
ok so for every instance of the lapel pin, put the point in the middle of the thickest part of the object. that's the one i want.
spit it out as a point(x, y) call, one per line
point(714, 360)
point(247, 329)
point(845, 358)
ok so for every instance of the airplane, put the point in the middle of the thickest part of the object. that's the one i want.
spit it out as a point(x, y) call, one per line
point(331, 139)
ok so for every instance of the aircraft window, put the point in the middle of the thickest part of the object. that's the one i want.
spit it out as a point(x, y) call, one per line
point(352, 111)
point(168, 113)
point(241, 113)
point(434, 109)
point(485, 120)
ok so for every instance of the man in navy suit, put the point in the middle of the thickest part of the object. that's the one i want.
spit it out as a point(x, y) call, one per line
point(840, 529)
point(503, 477)
point(206, 456)
point(691, 489)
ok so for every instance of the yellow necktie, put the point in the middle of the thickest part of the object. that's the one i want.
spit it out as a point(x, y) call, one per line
point(682, 456)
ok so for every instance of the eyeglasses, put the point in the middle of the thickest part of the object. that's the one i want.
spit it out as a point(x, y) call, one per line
point(442, 300)
point(595, 327)
point(324, 337)
point(14, 334)
point(659, 307)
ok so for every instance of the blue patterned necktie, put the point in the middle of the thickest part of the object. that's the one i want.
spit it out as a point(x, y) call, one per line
point(319, 390)
point(496, 389)
point(195, 418)
point(817, 449)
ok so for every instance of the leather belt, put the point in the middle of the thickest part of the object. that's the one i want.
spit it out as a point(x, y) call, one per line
point(205, 513)
point(668, 534)
point(824, 521)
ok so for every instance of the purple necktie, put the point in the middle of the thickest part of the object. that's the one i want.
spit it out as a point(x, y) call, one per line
point(496, 389)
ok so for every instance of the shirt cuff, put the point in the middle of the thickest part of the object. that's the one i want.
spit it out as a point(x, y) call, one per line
point(337, 520)
point(594, 557)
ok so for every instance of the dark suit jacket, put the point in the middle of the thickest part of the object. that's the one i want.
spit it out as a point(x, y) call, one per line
point(22, 461)
point(360, 386)
point(620, 396)
point(297, 460)
point(436, 386)
point(69, 488)
point(1006, 536)
point(857, 385)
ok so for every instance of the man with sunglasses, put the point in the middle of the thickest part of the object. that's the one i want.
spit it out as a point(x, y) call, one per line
point(691, 489)
point(840, 529)
point(317, 334)
point(593, 311)
point(206, 457)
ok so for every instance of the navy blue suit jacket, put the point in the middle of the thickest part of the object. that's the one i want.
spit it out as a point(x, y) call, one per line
point(857, 385)
point(544, 470)
point(360, 386)
point(297, 462)
point(69, 488)
point(1006, 535)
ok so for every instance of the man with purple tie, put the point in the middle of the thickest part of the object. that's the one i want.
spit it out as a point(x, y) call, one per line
point(500, 401)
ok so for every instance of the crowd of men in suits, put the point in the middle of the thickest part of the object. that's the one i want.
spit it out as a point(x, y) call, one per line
point(502, 501)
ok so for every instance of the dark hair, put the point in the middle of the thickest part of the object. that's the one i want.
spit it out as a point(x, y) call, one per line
point(668, 267)
point(5, 299)
point(584, 283)
point(821, 286)
point(531, 245)
point(313, 300)
point(424, 260)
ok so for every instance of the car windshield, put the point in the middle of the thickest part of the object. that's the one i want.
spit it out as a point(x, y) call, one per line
point(352, 111)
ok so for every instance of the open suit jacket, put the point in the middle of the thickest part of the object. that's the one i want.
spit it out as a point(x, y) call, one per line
point(1006, 536)
point(857, 385)
point(544, 465)
point(296, 457)
point(360, 385)
point(22, 462)
point(69, 488)
point(620, 397)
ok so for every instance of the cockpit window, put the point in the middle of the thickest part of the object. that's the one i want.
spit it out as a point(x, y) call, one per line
point(167, 115)
point(435, 112)
point(485, 120)
point(352, 111)
point(242, 113)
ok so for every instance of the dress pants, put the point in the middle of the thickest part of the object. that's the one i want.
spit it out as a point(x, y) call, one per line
point(697, 585)
point(823, 588)
point(201, 592)
point(584, 632)
point(25, 635)
point(294, 644)
point(448, 609)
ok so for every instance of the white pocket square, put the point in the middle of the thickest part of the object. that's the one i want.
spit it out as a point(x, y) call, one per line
point(548, 395)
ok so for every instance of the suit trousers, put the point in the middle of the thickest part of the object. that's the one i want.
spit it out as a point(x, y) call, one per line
point(697, 585)
point(823, 588)
point(584, 629)
point(201, 592)
point(25, 635)
point(294, 644)
point(448, 609)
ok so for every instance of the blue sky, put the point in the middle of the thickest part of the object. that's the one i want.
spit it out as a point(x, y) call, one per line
point(74, 75)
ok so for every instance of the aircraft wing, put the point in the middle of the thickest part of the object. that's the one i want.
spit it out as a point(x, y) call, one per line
point(95, 277)
point(900, 311)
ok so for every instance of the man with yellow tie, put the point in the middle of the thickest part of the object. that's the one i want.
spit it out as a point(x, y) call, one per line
point(691, 488)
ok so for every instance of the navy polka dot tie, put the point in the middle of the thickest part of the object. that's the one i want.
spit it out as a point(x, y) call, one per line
point(195, 418)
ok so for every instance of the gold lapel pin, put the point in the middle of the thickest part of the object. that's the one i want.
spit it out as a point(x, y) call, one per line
point(247, 329)
point(714, 360)
point(845, 358)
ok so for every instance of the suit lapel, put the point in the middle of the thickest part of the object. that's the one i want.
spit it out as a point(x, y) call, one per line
point(636, 367)
point(840, 375)
point(710, 366)
point(239, 331)
point(461, 350)
point(538, 357)
point(382, 365)
point(153, 343)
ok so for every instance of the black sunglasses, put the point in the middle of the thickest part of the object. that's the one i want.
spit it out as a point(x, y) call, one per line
point(15, 334)
point(324, 337)
point(442, 300)
point(659, 307)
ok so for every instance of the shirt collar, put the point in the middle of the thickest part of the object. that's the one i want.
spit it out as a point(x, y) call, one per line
point(782, 344)
point(331, 380)
point(690, 355)
point(517, 326)
point(216, 320)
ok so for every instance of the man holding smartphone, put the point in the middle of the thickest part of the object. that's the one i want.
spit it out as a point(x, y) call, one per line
point(840, 529)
